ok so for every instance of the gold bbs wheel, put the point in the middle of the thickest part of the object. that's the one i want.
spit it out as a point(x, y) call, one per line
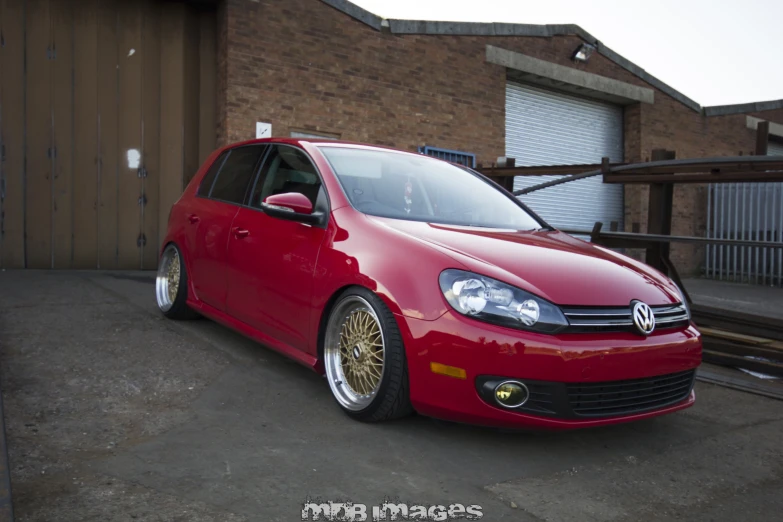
point(167, 282)
point(354, 353)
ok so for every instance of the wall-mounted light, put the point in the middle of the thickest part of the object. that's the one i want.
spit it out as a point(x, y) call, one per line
point(582, 53)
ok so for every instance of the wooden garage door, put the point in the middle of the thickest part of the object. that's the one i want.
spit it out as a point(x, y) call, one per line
point(107, 108)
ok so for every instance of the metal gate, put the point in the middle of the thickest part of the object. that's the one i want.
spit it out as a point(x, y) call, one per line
point(746, 211)
point(548, 128)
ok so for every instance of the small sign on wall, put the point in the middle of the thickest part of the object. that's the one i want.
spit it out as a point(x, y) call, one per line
point(263, 130)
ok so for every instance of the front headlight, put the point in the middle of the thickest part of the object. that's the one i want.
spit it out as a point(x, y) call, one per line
point(490, 300)
point(684, 301)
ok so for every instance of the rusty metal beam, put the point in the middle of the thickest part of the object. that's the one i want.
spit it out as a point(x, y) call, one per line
point(556, 182)
point(730, 169)
point(659, 216)
point(762, 138)
point(721, 165)
point(544, 170)
point(705, 177)
point(635, 240)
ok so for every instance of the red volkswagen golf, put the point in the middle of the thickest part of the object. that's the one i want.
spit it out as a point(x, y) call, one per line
point(417, 285)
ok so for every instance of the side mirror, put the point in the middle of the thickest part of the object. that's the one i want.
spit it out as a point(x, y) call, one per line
point(291, 206)
point(290, 201)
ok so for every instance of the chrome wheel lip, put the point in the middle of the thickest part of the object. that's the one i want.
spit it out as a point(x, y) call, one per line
point(170, 255)
point(345, 395)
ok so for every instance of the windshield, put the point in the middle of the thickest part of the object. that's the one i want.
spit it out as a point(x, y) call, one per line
point(418, 188)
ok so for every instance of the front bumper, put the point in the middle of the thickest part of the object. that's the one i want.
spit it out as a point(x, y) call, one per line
point(555, 364)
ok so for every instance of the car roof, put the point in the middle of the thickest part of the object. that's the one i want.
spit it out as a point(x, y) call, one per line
point(332, 143)
point(316, 141)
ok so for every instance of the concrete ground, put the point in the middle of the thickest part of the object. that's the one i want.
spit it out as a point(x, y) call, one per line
point(761, 300)
point(114, 413)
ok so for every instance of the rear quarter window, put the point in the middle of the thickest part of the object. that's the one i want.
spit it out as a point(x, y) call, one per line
point(236, 173)
point(209, 178)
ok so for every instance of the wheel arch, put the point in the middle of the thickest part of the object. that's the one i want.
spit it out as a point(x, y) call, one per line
point(185, 259)
point(324, 319)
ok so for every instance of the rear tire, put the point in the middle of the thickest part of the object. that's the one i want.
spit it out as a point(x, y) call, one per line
point(171, 285)
point(365, 358)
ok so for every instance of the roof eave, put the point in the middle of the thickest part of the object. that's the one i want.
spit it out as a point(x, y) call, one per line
point(743, 108)
point(428, 27)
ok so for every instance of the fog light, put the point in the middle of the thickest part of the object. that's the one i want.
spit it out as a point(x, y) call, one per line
point(511, 394)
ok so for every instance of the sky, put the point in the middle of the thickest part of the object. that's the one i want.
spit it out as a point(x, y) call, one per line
point(715, 52)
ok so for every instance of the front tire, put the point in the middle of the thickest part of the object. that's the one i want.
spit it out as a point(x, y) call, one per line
point(171, 285)
point(364, 358)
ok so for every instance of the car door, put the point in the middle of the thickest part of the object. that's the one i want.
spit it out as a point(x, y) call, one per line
point(219, 198)
point(273, 260)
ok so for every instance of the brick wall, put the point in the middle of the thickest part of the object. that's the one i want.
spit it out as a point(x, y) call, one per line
point(303, 65)
point(222, 69)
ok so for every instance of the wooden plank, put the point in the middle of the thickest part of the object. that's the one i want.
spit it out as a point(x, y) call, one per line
point(735, 336)
point(765, 351)
point(208, 85)
point(12, 80)
point(38, 112)
point(747, 324)
point(62, 120)
point(129, 152)
point(108, 121)
point(739, 361)
point(171, 108)
point(151, 133)
point(737, 380)
point(85, 160)
point(190, 98)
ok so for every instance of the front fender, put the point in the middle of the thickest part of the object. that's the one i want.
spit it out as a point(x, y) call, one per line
point(402, 272)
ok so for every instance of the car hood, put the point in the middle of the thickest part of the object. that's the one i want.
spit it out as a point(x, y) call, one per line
point(550, 264)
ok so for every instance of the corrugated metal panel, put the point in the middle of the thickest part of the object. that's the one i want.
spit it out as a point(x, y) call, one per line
point(752, 211)
point(548, 128)
point(774, 149)
point(748, 211)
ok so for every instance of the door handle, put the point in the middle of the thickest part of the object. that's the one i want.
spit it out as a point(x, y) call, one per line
point(193, 218)
point(240, 233)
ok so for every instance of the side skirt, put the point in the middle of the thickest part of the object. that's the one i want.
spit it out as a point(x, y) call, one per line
point(248, 331)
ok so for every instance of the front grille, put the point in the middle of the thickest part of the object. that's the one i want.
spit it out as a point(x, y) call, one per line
point(542, 398)
point(595, 320)
point(602, 399)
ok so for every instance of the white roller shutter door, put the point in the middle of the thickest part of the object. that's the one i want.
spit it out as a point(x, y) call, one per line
point(548, 128)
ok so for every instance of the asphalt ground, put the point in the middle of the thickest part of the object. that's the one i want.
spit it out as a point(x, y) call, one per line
point(115, 413)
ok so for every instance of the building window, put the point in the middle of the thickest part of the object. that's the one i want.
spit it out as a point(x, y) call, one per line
point(454, 156)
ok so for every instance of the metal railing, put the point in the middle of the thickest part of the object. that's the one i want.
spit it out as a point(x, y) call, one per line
point(467, 159)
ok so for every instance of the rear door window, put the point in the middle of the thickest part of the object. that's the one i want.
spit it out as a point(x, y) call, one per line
point(236, 174)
